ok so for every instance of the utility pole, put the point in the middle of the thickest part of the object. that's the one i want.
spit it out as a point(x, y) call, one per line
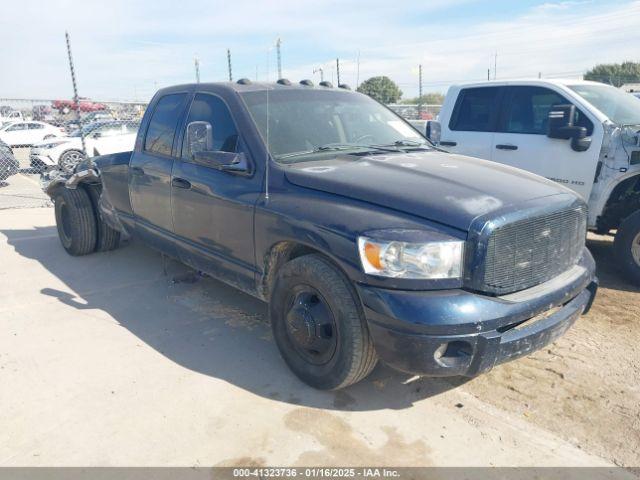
point(197, 66)
point(420, 90)
point(229, 64)
point(488, 74)
point(76, 100)
point(278, 43)
point(316, 70)
point(338, 70)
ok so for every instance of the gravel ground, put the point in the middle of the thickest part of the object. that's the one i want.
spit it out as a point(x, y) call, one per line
point(586, 386)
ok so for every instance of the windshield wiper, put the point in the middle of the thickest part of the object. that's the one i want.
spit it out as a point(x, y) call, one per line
point(339, 146)
point(410, 143)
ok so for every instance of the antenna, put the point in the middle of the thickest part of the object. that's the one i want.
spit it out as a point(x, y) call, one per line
point(358, 71)
point(278, 43)
point(495, 65)
point(266, 163)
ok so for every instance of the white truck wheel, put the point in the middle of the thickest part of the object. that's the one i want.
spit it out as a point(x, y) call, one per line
point(627, 247)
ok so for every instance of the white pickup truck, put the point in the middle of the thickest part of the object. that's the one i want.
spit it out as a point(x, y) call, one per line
point(584, 135)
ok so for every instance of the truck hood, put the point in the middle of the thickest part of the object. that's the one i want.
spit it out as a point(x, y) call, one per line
point(449, 189)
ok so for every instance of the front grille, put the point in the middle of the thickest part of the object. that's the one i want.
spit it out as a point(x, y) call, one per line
point(531, 251)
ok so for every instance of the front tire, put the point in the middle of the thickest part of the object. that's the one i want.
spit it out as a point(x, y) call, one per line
point(627, 247)
point(318, 324)
point(76, 221)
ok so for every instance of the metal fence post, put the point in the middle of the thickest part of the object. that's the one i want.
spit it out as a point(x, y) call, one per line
point(76, 100)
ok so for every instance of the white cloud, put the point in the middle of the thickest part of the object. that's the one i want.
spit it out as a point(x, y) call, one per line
point(124, 49)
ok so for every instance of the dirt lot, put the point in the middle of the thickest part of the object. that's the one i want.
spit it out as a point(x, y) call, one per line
point(123, 359)
point(585, 387)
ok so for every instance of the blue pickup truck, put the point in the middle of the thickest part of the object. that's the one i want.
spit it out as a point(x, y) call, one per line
point(366, 241)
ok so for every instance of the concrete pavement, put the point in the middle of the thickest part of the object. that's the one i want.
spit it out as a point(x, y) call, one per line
point(122, 359)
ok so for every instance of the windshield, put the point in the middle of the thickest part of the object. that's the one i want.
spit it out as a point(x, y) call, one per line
point(621, 107)
point(303, 123)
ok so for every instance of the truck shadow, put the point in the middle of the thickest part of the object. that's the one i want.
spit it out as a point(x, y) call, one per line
point(201, 324)
point(608, 272)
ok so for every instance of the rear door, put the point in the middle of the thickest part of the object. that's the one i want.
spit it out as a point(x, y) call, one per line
point(472, 122)
point(150, 171)
point(213, 209)
point(521, 139)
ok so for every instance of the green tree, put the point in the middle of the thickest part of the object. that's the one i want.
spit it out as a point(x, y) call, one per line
point(616, 74)
point(382, 89)
point(433, 98)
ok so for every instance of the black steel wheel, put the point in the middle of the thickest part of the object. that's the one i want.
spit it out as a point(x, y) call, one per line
point(310, 325)
point(318, 324)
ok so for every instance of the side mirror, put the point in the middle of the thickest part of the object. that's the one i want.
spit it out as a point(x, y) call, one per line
point(561, 122)
point(433, 131)
point(561, 127)
point(199, 137)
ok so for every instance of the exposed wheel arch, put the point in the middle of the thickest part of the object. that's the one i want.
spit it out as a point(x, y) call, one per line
point(281, 253)
point(623, 201)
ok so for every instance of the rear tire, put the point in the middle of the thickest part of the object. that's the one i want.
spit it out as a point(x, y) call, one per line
point(76, 221)
point(108, 238)
point(318, 324)
point(627, 247)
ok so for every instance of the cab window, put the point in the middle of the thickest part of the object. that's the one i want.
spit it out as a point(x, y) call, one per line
point(527, 111)
point(162, 127)
point(210, 108)
point(475, 110)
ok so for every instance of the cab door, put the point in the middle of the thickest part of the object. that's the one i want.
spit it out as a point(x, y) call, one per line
point(521, 139)
point(472, 123)
point(150, 173)
point(213, 208)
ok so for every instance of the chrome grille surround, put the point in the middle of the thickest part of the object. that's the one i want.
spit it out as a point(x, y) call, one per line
point(519, 250)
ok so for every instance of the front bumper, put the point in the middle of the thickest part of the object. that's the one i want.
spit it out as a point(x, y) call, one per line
point(457, 332)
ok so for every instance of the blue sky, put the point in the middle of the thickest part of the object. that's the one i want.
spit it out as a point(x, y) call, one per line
point(127, 49)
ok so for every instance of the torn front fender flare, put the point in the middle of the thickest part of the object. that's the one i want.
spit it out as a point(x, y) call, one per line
point(90, 176)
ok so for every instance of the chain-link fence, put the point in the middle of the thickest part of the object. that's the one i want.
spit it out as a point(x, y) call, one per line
point(38, 136)
point(417, 115)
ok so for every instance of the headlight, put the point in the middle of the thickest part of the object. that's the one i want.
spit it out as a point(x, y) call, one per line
point(440, 258)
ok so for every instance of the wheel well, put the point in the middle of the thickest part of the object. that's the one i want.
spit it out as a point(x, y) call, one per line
point(278, 255)
point(623, 201)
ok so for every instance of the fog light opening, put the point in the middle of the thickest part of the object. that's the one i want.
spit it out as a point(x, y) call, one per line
point(453, 354)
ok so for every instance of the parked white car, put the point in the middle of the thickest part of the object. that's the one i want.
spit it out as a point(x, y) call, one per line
point(584, 135)
point(100, 138)
point(9, 115)
point(17, 134)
